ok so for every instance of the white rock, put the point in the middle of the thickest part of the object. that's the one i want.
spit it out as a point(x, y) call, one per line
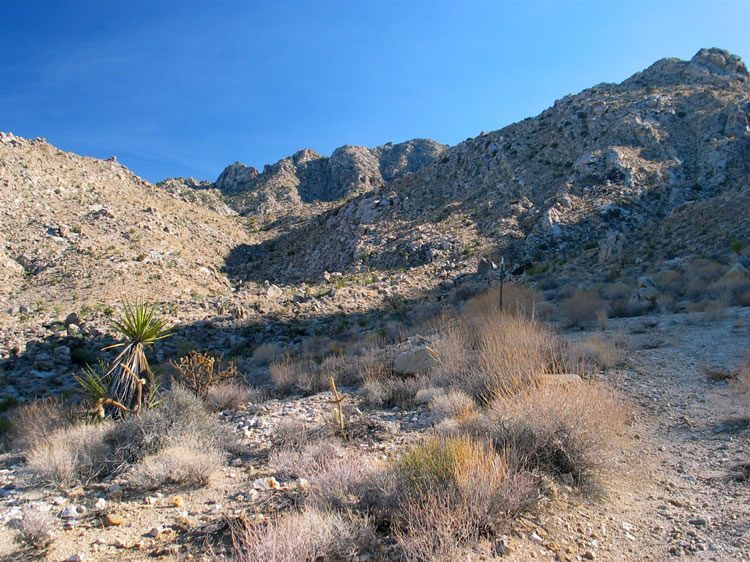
point(415, 361)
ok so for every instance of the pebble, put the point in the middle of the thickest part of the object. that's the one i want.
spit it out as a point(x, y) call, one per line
point(100, 504)
point(70, 512)
point(113, 520)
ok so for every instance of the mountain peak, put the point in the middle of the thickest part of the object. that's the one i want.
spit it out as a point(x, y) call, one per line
point(710, 67)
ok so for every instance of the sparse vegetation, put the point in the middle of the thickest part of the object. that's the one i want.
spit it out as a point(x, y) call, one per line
point(199, 372)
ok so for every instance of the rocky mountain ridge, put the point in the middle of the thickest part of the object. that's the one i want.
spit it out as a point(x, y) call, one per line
point(608, 160)
point(307, 176)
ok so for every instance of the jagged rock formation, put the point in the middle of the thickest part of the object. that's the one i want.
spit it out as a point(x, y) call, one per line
point(307, 176)
point(605, 161)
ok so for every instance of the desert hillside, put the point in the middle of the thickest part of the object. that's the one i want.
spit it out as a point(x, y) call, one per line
point(530, 345)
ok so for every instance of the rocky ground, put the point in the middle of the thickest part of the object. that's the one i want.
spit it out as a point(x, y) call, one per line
point(678, 492)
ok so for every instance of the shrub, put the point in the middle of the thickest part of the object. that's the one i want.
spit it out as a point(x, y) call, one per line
point(131, 380)
point(229, 396)
point(199, 372)
point(569, 429)
point(183, 465)
point(299, 536)
point(35, 421)
point(451, 404)
point(451, 491)
point(35, 527)
point(581, 309)
point(494, 354)
point(70, 455)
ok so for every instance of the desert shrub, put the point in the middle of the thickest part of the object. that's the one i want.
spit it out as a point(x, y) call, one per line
point(34, 527)
point(581, 309)
point(182, 465)
point(451, 491)
point(198, 372)
point(32, 423)
point(268, 353)
point(291, 433)
point(180, 417)
point(567, 431)
point(493, 354)
point(391, 390)
point(229, 396)
point(311, 534)
point(69, 455)
point(595, 351)
point(304, 462)
point(451, 404)
point(517, 299)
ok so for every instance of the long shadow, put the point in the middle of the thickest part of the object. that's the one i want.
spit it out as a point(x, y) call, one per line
point(43, 368)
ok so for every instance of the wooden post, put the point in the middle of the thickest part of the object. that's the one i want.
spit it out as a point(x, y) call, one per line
point(502, 280)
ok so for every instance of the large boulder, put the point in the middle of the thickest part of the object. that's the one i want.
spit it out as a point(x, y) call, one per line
point(415, 361)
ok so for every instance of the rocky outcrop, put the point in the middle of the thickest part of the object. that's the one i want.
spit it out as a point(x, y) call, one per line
point(592, 168)
point(307, 176)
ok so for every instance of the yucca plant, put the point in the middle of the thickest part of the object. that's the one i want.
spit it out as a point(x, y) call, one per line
point(131, 379)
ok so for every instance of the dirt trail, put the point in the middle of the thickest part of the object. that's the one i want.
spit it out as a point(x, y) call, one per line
point(680, 498)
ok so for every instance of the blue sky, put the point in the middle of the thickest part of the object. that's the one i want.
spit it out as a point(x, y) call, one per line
point(183, 88)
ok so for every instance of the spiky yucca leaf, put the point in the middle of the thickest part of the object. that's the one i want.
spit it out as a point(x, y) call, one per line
point(94, 383)
point(132, 383)
point(138, 325)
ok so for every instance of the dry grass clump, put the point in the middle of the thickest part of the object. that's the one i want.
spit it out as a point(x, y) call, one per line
point(297, 536)
point(199, 372)
point(452, 491)
point(581, 309)
point(181, 417)
point(568, 431)
point(268, 353)
point(229, 396)
point(35, 421)
point(182, 465)
point(451, 404)
point(517, 299)
point(70, 455)
point(35, 527)
point(596, 351)
point(307, 376)
point(494, 354)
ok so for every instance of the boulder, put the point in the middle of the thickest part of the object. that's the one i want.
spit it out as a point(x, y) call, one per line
point(274, 292)
point(484, 267)
point(415, 361)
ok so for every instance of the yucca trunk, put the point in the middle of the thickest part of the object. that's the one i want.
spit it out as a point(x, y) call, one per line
point(131, 383)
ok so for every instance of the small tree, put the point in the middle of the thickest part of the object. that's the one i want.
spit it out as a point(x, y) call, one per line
point(131, 379)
